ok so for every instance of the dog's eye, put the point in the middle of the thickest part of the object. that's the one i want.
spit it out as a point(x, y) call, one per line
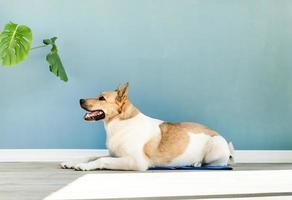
point(101, 98)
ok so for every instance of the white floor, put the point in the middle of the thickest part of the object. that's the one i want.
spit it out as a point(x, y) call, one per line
point(253, 198)
point(179, 184)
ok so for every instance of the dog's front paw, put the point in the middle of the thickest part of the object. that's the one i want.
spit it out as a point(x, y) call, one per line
point(93, 165)
point(68, 165)
point(84, 167)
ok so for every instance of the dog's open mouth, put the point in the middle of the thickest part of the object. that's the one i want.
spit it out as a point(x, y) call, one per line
point(94, 115)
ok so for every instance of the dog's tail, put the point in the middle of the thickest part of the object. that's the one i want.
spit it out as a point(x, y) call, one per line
point(232, 153)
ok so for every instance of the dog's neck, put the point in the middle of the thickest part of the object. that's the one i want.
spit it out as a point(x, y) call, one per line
point(128, 111)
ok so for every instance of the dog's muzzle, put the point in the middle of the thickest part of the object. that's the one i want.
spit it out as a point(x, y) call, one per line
point(94, 115)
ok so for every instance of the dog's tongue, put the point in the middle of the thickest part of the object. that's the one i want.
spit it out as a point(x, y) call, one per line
point(91, 115)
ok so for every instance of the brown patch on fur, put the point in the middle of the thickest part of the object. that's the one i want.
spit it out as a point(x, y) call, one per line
point(173, 141)
point(197, 128)
point(126, 111)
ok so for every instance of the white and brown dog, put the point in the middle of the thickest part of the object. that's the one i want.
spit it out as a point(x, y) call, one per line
point(137, 142)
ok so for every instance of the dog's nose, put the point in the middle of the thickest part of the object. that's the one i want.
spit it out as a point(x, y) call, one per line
point(81, 101)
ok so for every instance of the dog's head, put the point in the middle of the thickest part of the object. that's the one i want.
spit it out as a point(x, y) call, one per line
point(107, 105)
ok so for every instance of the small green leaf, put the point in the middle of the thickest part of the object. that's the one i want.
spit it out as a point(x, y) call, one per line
point(55, 63)
point(50, 41)
point(15, 41)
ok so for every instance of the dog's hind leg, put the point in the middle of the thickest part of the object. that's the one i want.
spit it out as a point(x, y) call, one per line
point(218, 152)
point(72, 163)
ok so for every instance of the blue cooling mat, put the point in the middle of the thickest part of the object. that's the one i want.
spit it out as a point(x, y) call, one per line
point(227, 167)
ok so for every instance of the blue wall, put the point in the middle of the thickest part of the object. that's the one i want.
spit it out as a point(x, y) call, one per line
point(227, 65)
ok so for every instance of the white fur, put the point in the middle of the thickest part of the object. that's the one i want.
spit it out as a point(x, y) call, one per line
point(218, 151)
point(127, 137)
point(126, 140)
point(195, 151)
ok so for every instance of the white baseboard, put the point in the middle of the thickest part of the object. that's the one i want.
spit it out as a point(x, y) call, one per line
point(48, 155)
point(263, 156)
point(58, 155)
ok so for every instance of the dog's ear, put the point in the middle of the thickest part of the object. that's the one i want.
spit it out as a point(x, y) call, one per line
point(122, 92)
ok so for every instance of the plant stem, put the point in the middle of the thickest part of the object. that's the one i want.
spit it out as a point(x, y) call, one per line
point(41, 46)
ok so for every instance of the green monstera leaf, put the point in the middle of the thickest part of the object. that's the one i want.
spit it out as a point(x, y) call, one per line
point(15, 41)
point(53, 58)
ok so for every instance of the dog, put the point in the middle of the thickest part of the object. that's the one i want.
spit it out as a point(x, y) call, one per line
point(137, 142)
